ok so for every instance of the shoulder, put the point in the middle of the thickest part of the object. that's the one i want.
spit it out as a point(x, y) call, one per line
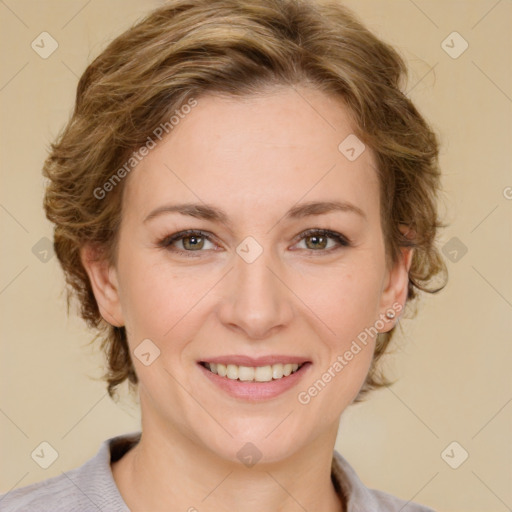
point(358, 497)
point(55, 493)
point(90, 487)
point(389, 503)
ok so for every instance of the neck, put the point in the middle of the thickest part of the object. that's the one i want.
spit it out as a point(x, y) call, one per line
point(168, 471)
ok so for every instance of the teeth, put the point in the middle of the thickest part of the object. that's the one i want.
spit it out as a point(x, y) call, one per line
point(232, 372)
point(246, 373)
point(254, 374)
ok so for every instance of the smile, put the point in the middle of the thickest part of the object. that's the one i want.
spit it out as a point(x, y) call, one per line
point(253, 373)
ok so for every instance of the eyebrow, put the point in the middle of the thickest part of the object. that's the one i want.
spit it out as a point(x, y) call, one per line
point(212, 213)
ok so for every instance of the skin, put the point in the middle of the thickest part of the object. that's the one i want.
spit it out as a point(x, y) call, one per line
point(255, 158)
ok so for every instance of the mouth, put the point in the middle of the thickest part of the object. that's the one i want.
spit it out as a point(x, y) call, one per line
point(265, 373)
point(255, 379)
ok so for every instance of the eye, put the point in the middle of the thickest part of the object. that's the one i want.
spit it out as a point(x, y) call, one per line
point(187, 241)
point(193, 241)
point(323, 240)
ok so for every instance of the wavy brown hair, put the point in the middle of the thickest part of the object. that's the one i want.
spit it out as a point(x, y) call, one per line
point(188, 48)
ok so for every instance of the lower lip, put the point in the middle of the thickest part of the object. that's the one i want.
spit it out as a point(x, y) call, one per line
point(256, 391)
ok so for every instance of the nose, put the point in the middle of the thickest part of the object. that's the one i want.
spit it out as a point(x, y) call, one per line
point(256, 300)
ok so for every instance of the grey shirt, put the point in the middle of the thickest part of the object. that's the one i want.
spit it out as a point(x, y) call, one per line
point(91, 487)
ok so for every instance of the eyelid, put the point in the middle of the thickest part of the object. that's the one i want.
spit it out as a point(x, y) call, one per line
point(167, 241)
point(341, 239)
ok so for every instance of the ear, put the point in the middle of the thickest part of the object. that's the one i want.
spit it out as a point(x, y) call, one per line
point(104, 283)
point(394, 292)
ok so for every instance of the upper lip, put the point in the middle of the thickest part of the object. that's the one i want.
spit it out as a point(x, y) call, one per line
point(240, 360)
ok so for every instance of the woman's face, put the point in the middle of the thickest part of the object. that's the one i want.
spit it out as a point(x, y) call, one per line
point(249, 177)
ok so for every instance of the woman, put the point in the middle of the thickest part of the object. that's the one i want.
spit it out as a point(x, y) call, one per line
point(244, 202)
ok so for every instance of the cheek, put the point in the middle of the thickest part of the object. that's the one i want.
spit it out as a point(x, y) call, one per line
point(152, 298)
point(348, 306)
point(162, 302)
point(157, 296)
point(346, 300)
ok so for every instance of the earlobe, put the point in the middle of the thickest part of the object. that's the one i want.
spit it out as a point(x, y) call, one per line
point(394, 295)
point(104, 283)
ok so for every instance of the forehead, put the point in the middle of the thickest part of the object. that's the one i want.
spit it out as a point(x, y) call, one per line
point(256, 152)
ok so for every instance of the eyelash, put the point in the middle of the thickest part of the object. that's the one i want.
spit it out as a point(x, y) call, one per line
point(167, 241)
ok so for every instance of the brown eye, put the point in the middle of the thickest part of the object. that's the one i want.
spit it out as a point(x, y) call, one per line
point(323, 240)
point(188, 241)
point(192, 242)
point(316, 242)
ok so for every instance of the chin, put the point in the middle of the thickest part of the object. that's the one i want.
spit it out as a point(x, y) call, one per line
point(266, 442)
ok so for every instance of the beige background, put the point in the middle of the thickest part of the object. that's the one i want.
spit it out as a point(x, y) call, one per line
point(454, 358)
